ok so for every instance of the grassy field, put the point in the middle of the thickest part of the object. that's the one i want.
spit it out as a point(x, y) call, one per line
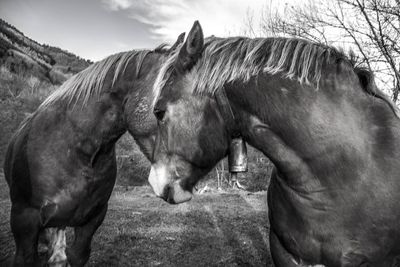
point(214, 229)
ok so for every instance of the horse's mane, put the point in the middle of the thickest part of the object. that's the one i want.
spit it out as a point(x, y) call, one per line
point(90, 82)
point(238, 58)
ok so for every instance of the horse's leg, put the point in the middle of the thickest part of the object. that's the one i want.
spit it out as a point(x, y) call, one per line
point(45, 237)
point(25, 226)
point(57, 246)
point(280, 256)
point(78, 254)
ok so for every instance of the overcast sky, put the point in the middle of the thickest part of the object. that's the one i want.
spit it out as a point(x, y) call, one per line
point(94, 29)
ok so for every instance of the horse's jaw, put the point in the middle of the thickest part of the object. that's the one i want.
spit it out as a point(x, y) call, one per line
point(167, 188)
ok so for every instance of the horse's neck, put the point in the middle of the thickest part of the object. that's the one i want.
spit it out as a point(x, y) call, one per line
point(288, 161)
point(308, 135)
point(94, 128)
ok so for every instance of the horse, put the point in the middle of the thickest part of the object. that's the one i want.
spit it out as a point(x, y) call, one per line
point(60, 165)
point(332, 135)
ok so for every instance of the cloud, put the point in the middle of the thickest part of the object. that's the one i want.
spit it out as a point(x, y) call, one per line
point(116, 5)
point(168, 18)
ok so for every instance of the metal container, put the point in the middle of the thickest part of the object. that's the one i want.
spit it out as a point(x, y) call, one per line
point(237, 157)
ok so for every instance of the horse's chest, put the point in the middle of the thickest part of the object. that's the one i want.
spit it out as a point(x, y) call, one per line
point(297, 224)
point(324, 230)
point(80, 198)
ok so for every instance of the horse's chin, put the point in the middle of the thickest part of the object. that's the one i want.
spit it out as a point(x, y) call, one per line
point(167, 188)
point(177, 194)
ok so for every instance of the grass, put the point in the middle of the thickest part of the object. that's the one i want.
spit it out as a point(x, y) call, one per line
point(214, 229)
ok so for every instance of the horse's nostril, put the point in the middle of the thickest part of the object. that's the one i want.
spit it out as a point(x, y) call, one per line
point(159, 114)
point(167, 195)
point(170, 199)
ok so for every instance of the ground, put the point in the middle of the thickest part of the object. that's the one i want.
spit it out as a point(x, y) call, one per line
point(214, 229)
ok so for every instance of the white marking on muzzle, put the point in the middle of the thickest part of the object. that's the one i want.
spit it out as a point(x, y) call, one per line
point(158, 178)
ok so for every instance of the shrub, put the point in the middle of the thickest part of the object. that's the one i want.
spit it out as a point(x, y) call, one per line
point(255, 179)
point(133, 166)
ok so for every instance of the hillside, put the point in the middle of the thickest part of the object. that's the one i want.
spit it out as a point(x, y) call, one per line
point(22, 55)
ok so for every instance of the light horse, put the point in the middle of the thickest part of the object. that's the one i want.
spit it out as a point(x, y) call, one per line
point(61, 164)
point(334, 138)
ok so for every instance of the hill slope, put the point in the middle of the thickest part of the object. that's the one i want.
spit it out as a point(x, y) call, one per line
point(22, 55)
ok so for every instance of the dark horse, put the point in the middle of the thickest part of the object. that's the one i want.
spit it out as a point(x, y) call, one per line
point(334, 138)
point(61, 164)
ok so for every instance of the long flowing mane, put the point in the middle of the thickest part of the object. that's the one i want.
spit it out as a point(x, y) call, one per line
point(89, 82)
point(239, 58)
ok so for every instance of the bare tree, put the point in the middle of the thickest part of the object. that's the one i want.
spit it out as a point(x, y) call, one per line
point(371, 28)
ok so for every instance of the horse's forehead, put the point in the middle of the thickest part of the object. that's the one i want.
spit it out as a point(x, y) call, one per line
point(180, 85)
point(187, 83)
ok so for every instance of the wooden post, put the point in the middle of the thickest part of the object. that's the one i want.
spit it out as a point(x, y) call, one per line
point(233, 179)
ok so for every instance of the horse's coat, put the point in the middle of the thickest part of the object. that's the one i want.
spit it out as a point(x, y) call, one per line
point(61, 165)
point(334, 140)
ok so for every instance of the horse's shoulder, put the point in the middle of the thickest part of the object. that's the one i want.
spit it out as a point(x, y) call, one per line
point(46, 119)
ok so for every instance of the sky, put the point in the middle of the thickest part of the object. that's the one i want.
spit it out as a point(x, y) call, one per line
point(94, 29)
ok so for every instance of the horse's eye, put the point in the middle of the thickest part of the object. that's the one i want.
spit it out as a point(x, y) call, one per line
point(159, 114)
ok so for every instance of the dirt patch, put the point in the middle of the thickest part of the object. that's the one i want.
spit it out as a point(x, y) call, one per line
point(214, 229)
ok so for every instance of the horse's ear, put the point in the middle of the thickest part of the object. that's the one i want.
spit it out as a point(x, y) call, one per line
point(192, 48)
point(194, 42)
point(180, 39)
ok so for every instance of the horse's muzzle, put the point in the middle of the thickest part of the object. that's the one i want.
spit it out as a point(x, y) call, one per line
point(175, 194)
point(165, 187)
